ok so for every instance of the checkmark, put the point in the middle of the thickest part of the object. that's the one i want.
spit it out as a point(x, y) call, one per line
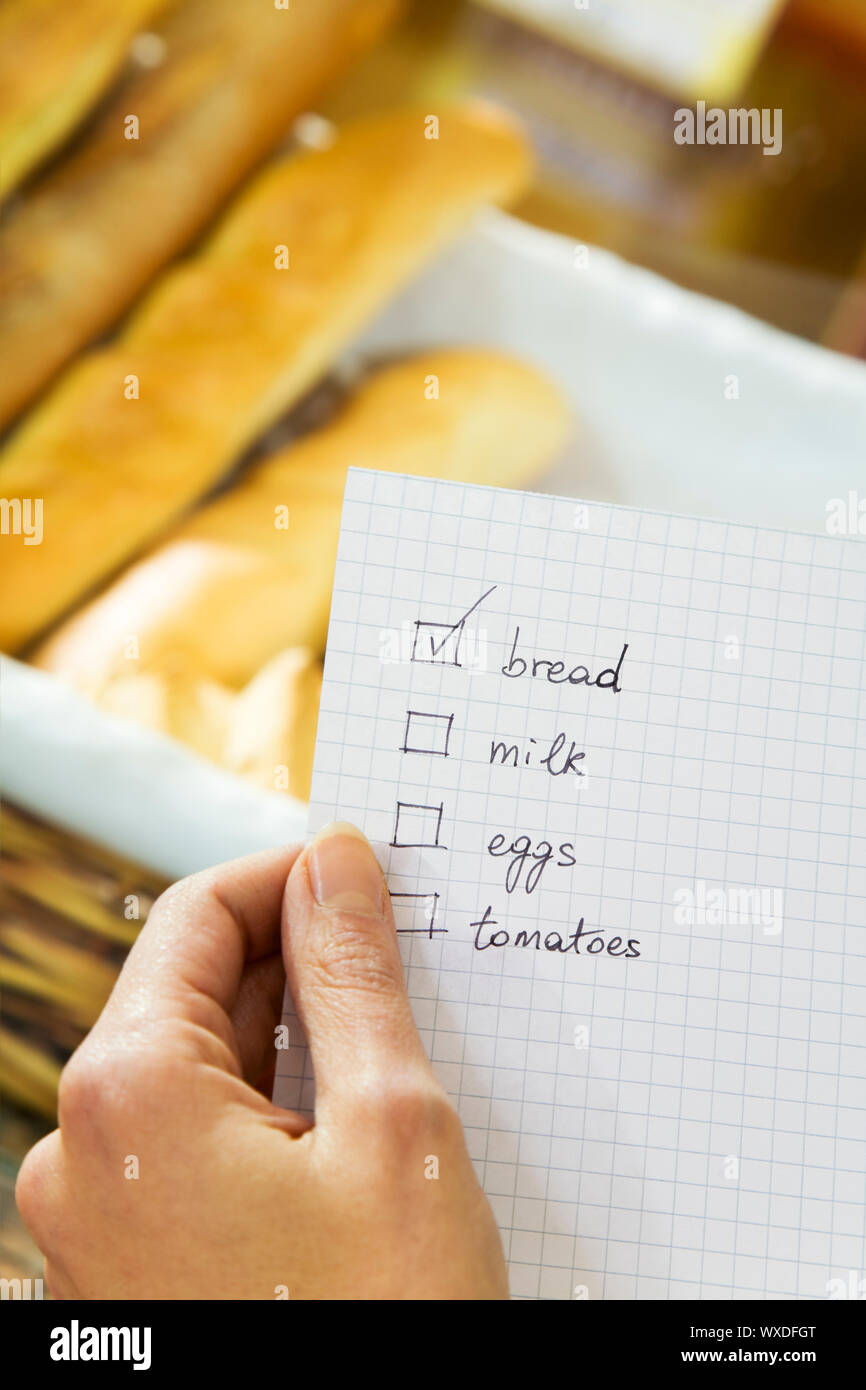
point(431, 639)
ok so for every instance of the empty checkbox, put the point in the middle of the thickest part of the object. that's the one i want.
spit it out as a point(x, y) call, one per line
point(427, 733)
point(417, 826)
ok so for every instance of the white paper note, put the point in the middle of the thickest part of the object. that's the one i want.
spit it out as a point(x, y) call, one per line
point(613, 763)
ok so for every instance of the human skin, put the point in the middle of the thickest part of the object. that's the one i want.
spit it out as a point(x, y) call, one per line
point(234, 1197)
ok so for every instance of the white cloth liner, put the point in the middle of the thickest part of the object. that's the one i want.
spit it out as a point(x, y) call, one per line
point(143, 795)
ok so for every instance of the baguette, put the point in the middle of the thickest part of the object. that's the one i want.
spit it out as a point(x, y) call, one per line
point(92, 232)
point(228, 341)
point(231, 587)
point(55, 60)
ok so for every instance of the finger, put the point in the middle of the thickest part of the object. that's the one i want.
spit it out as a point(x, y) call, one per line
point(39, 1189)
point(187, 966)
point(256, 1013)
point(344, 969)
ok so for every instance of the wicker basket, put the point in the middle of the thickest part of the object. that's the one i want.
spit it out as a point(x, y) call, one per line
point(69, 913)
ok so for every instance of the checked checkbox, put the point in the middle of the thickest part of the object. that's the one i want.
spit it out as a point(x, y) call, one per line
point(440, 643)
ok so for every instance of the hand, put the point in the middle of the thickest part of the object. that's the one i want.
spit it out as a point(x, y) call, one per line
point(171, 1176)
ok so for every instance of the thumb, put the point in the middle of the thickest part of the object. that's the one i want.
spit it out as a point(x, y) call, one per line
point(345, 973)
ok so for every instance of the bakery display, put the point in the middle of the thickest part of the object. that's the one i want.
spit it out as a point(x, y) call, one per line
point(250, 573)
point(138, 431)
point(187, 472)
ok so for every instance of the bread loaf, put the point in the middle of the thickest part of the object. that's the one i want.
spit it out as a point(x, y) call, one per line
point(136, 432)
point(250, 573)
point(55, 61)
point(271, 739)
point(266, 733)
point(90, 234)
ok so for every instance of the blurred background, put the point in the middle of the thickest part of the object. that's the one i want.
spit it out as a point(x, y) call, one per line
point(596, 89)
point(784, 238)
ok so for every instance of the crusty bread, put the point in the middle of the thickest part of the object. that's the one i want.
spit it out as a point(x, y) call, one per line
point(197, 712)
point(271, 739)
point(232, 586)
point(265, 733)
point(227, 341)
point(94, 230)
point(55, 60)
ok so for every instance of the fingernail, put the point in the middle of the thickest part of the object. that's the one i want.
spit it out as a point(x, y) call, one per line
point(344, 872)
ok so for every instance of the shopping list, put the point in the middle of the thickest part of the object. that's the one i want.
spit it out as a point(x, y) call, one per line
point(613, 764)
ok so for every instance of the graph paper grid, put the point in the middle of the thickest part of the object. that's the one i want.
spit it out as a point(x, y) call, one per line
point(682, 1117)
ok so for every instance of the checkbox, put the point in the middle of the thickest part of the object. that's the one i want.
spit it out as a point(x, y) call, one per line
point(427, 733)
point(417, 914)
point(439, 644)
point(417, 826)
